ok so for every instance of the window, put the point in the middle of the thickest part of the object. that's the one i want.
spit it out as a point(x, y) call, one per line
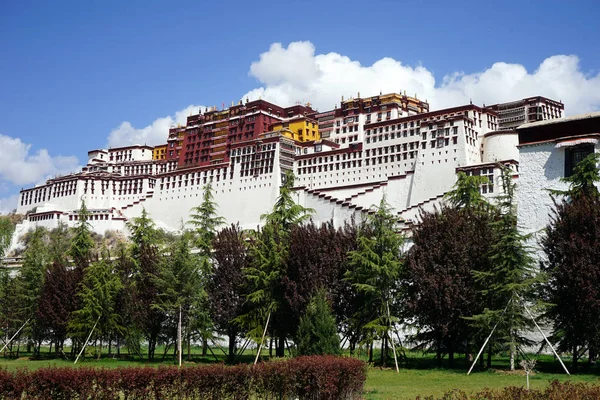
point(573, 155)
point(489, 186)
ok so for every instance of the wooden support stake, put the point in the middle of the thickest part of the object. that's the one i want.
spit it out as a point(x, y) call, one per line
point(545, 338)
point(11, 339)
point(262, 339)
point(87, 340)
point(179, 338)
point(390, 337)
point(488, 338)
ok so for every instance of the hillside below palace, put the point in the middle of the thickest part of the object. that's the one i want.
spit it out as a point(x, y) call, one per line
point(344, 161)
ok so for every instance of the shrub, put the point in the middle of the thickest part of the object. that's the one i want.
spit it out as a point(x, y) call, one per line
point(311, 377)
point(555, 391)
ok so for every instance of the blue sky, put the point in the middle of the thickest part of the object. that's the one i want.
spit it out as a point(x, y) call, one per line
point(72, 72)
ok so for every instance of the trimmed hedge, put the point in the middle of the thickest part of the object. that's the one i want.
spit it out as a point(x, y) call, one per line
point(311, 377)
point(555, 391)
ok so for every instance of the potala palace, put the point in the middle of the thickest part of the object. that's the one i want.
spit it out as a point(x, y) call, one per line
point(344, 161)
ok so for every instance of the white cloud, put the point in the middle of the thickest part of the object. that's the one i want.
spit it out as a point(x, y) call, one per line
point(296, 73)
point(19, 167)
point(7, 204)
point(153, 134)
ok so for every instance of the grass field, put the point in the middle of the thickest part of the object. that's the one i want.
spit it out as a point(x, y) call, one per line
point(418, 377)
point(408, 384)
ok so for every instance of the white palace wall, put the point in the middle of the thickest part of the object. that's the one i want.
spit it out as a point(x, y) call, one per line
point(412, 163)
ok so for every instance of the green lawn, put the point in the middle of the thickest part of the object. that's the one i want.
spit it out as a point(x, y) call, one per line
point(419, 377)
point(408, 384)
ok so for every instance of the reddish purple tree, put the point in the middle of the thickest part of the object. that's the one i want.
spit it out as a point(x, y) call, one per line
point(573, 248)
point(448, 246)
point(225, 288)
point(573, 267)
point(318, 259)
point(57, 302)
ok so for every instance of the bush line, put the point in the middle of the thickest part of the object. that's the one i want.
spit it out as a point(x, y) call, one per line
point(555, 391)
point(310, 377)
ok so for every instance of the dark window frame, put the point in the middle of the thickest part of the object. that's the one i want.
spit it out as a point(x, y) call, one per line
point(574, 155)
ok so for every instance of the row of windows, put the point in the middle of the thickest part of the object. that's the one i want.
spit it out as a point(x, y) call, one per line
point(337, 157)
point(351, 139)
point(46, 193)
point(192, 175)
point(46, 217)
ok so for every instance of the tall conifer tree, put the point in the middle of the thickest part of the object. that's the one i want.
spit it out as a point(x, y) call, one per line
point(97, 292)
point(29, 284)
point(82, 243)
point(206, 222)
point(511, 278)
point(147, 262)
point(375, 271)
point(269, 263)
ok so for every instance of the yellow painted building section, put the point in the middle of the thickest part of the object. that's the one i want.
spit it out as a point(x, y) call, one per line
point(301, 129)
point(159, 152)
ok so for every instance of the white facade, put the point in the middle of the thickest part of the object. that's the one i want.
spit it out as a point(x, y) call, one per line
point(532, 109)
point(410, 158)
point(543, 163)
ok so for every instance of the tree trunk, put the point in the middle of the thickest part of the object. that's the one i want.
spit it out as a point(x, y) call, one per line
point(489, 356)
point(370, 350)
point(271, 347)
point(204, 347)
point(575, 357)
point(231, 353)
point(99, 350)
point(450, 353)
point(482, 361)
point(152, 344)
point(439, 352)
point(281, 346)
point(513, 351)
point(189, 345)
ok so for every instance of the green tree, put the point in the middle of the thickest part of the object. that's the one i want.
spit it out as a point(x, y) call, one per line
point(82, 242)
point(466, 192)
point(59, 244)
point(583, 181)
point(29, 285)
point(97, 292)
point(125, 302)
point(375, 269)
point(511, 278)
point(317, 333)
point(6, 308)
point(206, 221)
point(269, 264)
point(179, 288)
point(147, 262)
point(6, 232)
